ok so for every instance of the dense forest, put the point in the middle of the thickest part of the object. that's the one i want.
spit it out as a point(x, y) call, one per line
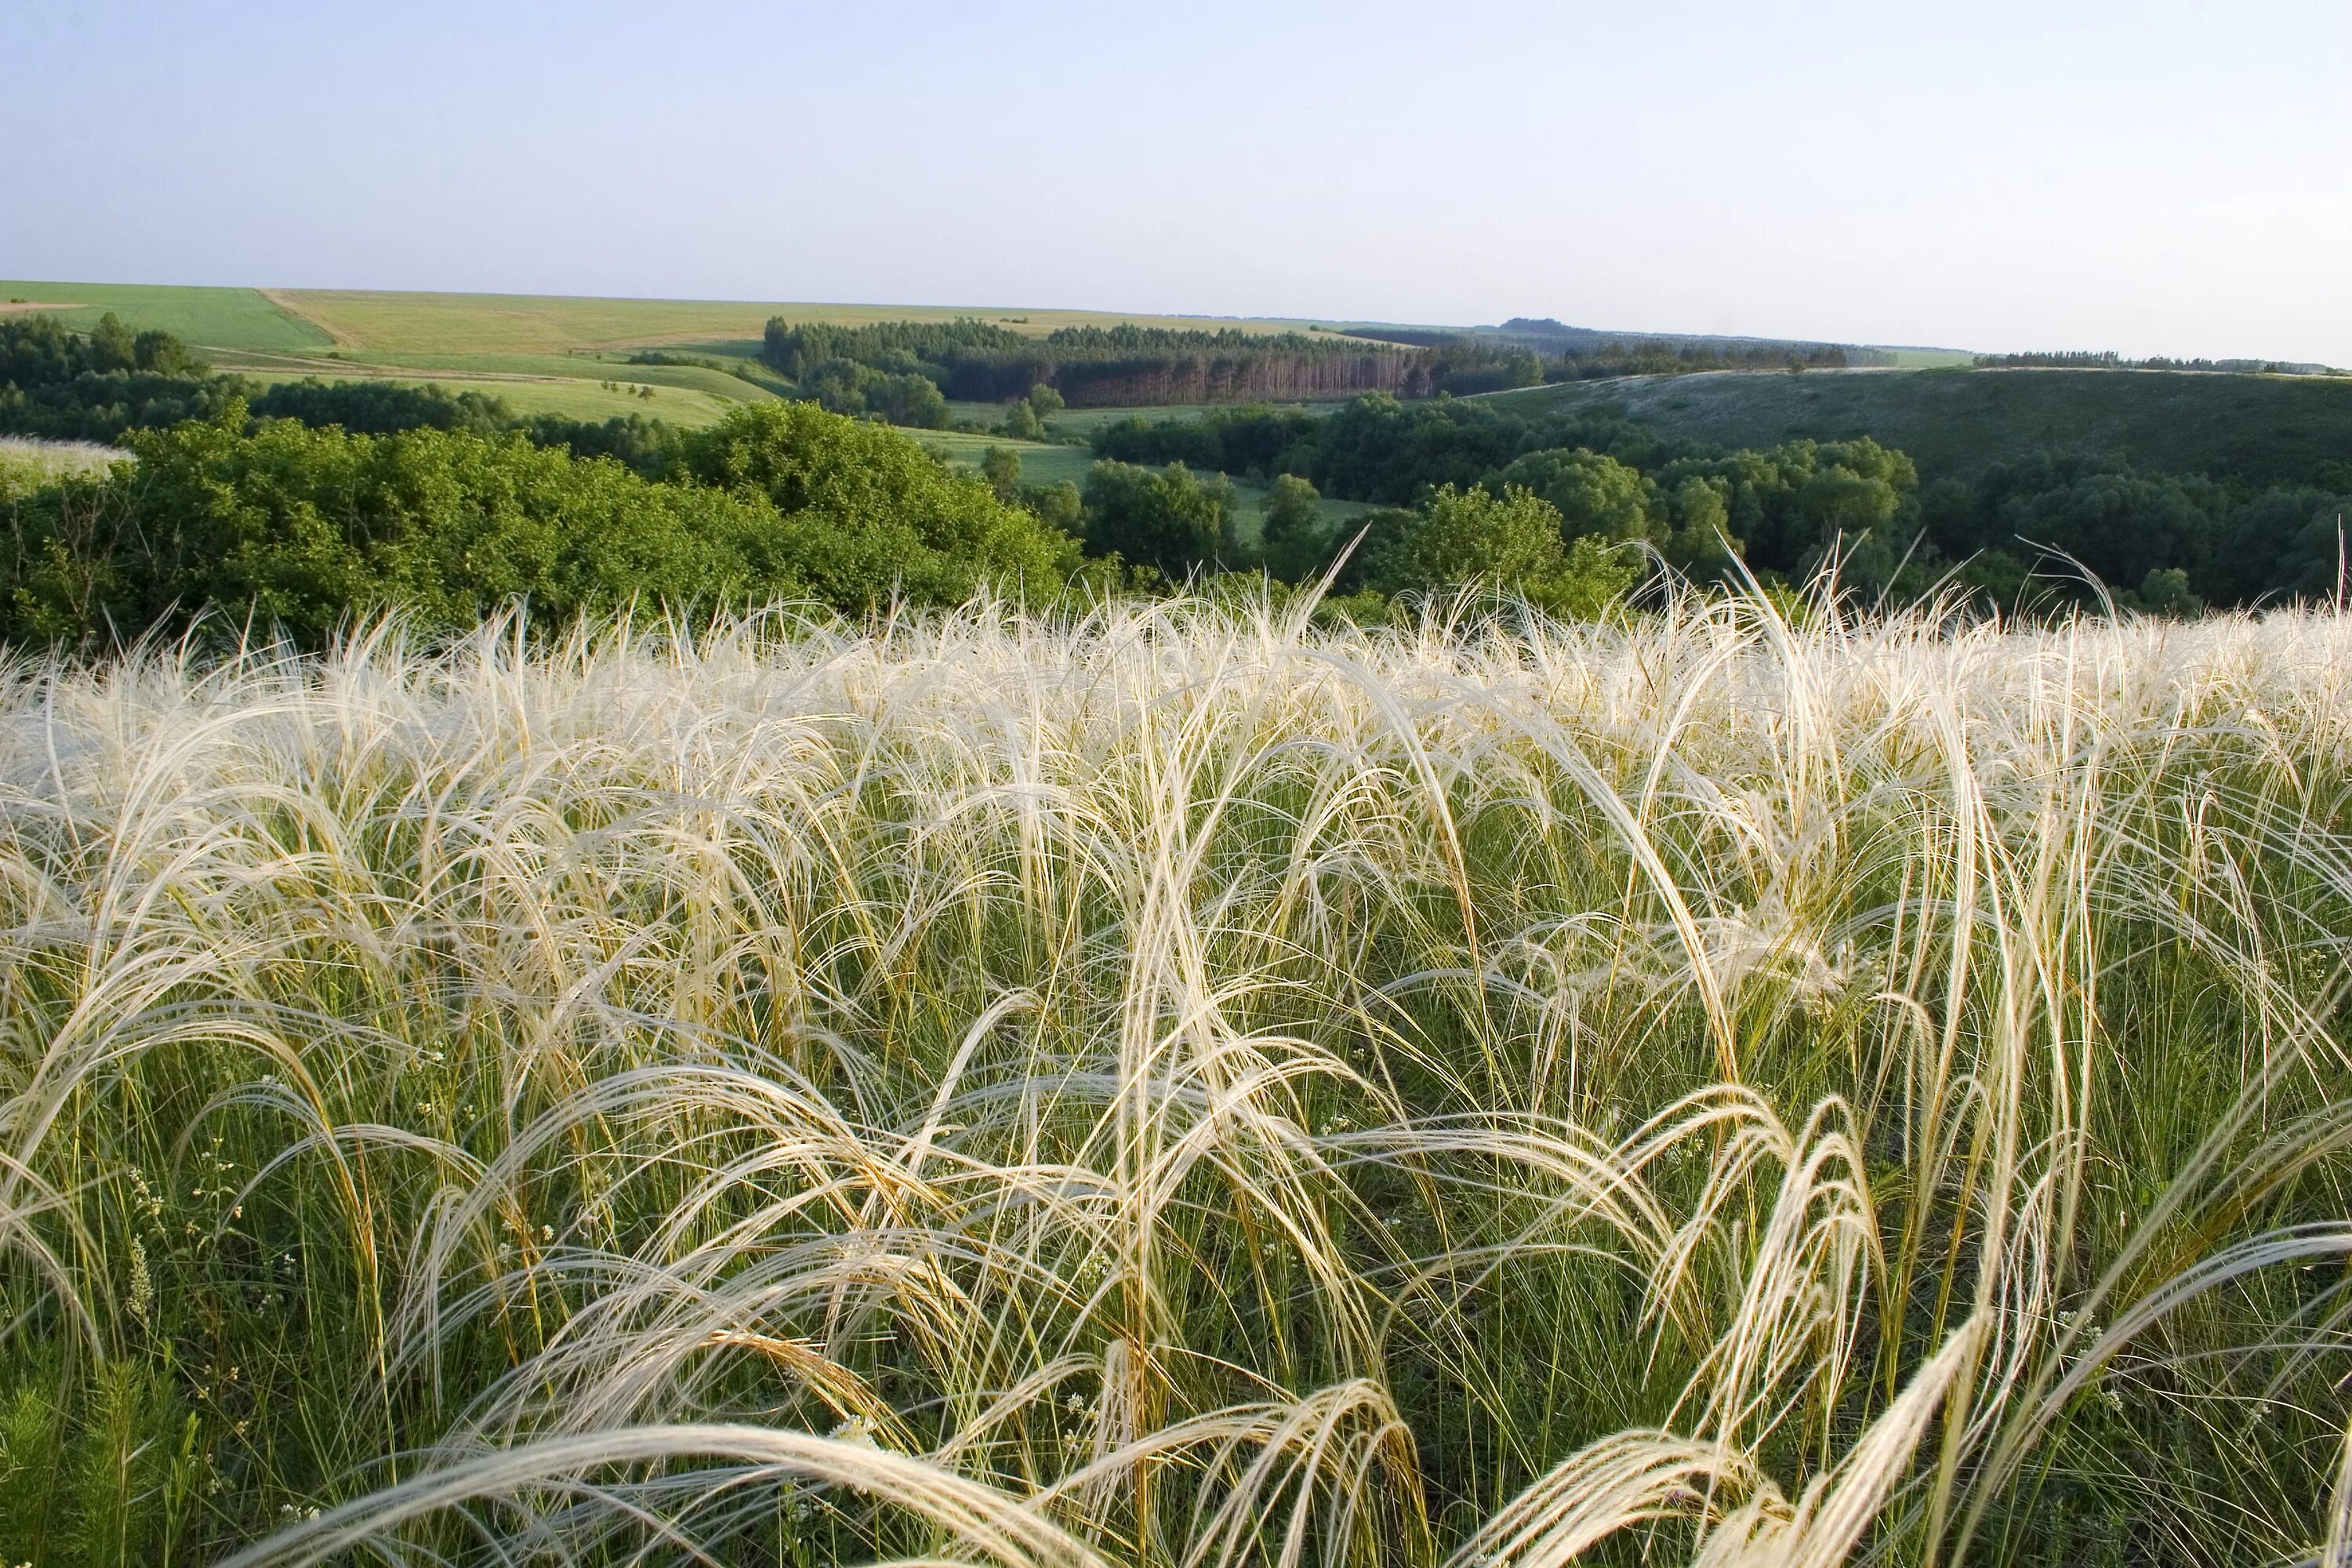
point(975, 361)
point(2047, 528)
point(906, 370)
point(1523, 353)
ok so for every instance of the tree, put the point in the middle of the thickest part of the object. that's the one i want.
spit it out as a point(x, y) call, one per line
point(1292, 532)
point(1700, 543)
point(2165, 592)
point(1460, 537)
point(1510, 544)
point(1059, 507)
point(112, 345)
point(914, 401)
point(1021, 421)
point(1044, 401)
point(1593, 494)
point(1170, 520)
point(865, 513)
point(1001, 469)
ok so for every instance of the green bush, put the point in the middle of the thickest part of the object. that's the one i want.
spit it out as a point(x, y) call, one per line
point(302, 528)
point(1169, 520)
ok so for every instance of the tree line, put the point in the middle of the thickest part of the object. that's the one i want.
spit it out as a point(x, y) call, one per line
point(2043, 528)
point(1465, 363)
point(2109, 359)
point(977, 361)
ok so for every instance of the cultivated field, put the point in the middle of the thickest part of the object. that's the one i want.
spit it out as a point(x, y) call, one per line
point(1184, 1088)
point(2264, 428)
point(209, 318)
point(521, 323)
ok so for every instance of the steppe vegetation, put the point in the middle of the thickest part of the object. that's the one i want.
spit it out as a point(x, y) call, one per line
point(1180, 1085)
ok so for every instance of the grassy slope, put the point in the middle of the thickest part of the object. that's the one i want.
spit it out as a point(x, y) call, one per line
point(1954, 421)
point(210, 317)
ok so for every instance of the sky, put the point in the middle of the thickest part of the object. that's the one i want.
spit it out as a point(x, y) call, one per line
point(2152, 178)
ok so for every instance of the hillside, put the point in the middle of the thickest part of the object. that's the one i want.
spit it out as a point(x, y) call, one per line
point(2261, 428)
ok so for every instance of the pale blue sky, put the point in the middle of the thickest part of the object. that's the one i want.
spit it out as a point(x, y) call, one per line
point(2156, 178)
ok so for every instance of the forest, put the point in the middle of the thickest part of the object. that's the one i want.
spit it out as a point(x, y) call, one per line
point(1092, 366)
point(2037, 528)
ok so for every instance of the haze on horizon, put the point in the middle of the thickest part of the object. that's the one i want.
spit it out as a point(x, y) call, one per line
point(2154, 178)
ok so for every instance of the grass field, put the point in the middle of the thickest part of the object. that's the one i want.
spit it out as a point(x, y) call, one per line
point(1042, 462)
point(573, 397)
point(1954, 422)
point(1182, 1089)
point(1048, 463)
point(209, 318)
point(1086, 421)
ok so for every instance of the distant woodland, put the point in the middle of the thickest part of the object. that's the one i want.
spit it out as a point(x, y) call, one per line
point(1129, 366)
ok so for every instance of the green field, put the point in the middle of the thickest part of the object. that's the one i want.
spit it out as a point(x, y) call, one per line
point(522, 323)
point(573, 397)
point(1954, 422)
point(208, 318)
point(1086, 421)
point(1042, 462)
point(1049, 463)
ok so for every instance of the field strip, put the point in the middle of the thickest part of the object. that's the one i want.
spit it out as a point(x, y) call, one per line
point(12, 306)
point(354, 370)
point(284, 301)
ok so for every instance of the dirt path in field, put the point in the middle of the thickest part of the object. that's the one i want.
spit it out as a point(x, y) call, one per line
point(285, 301)
point(12, 307)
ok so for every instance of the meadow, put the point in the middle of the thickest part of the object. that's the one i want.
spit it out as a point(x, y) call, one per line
point(2261, 428)
point(1051, 463)
point(1180, 1085)
point(695, 403)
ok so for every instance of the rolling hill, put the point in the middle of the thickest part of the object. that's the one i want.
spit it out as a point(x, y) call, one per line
point(2261, 428)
